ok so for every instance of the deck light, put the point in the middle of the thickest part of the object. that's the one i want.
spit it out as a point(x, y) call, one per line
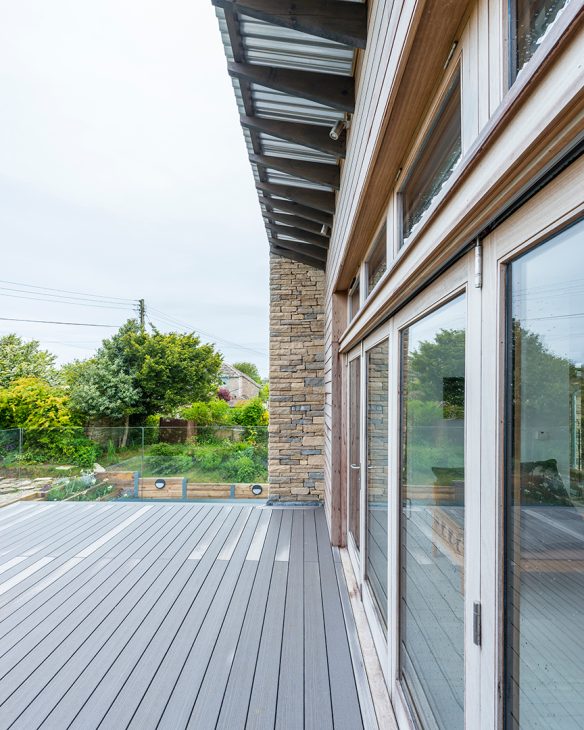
point(160, 483)
point(256, 489)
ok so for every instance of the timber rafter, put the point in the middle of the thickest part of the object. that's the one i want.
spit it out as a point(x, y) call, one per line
point(298, 210)
point(320, 242)
point(309, 135)
point(295, 209)
point(342, 22)
point(295, 221)
point(337, 92)
point(295, 256)
point(319, 199)
point(316, 172)
point(303, 248)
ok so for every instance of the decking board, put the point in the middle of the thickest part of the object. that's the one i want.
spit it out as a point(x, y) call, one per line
point(179, 616)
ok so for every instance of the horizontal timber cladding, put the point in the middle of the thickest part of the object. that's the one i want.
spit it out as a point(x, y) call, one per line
point(296, 444)
point(408, 45)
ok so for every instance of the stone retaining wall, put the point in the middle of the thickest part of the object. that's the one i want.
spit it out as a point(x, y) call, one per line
point(296, 445)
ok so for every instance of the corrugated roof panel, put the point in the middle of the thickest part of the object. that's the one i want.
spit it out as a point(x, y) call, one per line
point(278, 105)
point(291, 150)
point(273, 45)
point(282, 178)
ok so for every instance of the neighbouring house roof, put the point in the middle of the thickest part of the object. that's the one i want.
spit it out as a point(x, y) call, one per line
point(231, 372)
point(291, 65)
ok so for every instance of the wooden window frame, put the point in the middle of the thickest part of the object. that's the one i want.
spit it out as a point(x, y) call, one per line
point(399, 245)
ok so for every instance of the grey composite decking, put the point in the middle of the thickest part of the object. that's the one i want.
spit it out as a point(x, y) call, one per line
point(173, 616)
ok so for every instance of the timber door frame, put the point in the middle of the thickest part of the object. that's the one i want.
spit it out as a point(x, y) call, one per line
point(459, 279)
point(355, 554)
point(381, 634)
point(558, 205)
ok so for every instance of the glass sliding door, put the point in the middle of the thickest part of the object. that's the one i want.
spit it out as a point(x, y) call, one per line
point(377, 430)
point(354, 452)
point(544, 577)
point(432, 520)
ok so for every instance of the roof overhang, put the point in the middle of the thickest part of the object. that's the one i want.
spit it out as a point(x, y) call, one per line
point(291, 64)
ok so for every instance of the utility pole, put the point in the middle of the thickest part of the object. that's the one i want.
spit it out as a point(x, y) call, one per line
point(142, 314)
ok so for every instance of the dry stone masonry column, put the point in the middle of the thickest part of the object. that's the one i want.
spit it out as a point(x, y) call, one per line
point(296, 445)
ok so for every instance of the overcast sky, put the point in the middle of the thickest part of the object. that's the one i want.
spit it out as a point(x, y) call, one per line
point(123, 173)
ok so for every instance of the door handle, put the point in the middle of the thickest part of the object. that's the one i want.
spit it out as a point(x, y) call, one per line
point(355, 466)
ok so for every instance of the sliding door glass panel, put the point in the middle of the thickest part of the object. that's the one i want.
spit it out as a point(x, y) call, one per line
point(544, 575)
point(432, 517)
point(377, 472)
point(355, 449)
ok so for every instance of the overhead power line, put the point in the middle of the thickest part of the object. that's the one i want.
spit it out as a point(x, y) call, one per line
point(171, 320)
point(49, 321)
point(67, 297)
point(63, 301)
point(68, 291)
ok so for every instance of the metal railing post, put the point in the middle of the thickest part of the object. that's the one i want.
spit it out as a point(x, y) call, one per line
point(142, 455)
point(20, 449)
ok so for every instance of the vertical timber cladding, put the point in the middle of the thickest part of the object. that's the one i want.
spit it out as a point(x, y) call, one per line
point(296, 445)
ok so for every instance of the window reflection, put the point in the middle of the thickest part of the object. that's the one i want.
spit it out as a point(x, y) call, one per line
point(354, 298)
point(377, 472)
point(355, 449)
point(437, 158)
point(377, 262)
point(530, 21)
point(545, 488)
point(432, 519)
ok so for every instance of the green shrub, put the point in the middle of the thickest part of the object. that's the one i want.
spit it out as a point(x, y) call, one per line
point(240, 468)
point(168, 459)
point(208, 457)
point(52, 432)
point(253, 416)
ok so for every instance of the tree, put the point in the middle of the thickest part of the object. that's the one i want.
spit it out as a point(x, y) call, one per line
point(20, 359)
point(436, 372)
point(143, 373)
point(248, 368)
point(175, 369)
point(101, 389)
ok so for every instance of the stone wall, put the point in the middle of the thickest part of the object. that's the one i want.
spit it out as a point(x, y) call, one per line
point(296, 447)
